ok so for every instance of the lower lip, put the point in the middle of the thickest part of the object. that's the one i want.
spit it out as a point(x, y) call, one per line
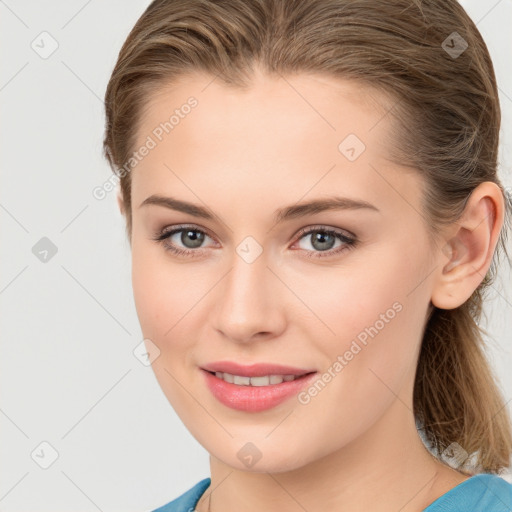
point(254, 398)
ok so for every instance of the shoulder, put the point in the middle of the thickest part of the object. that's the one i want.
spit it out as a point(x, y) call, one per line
point(188, 500)
point(485, 492)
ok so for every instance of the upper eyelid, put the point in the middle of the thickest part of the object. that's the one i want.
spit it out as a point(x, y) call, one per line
point(323, 227)
point(178, 228)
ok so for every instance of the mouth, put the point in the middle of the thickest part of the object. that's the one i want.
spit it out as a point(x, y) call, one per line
point(255, 393)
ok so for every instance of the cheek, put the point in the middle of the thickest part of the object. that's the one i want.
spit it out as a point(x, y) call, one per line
point(346, 302)
point(380, 328)
point(161, 300)
point(157, 294)
point(168, 296)
point(372, 315)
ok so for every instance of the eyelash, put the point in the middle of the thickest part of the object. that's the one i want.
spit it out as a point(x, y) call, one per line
point(349, 242)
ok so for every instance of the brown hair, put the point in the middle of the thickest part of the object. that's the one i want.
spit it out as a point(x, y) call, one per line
point(447, 120)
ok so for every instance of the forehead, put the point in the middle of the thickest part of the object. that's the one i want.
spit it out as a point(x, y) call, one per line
point(313, 101)
point(290, 133)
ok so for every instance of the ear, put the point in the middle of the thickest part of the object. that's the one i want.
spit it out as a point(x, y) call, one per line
point(120, 201)
point(467, 255)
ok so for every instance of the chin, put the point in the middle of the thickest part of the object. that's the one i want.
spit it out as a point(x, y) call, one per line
point(255, 458)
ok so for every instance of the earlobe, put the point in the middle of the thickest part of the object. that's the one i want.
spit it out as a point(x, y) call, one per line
point(467, 255)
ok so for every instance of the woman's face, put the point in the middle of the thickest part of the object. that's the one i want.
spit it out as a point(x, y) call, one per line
point(262, 281)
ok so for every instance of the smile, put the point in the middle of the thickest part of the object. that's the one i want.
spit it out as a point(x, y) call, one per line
point(257, 393)
point(264, 380)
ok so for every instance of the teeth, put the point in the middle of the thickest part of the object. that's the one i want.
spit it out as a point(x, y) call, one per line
point(261, 381)
point(227, 377)
point(265, 380)
point(242, 381)
point(276, 379)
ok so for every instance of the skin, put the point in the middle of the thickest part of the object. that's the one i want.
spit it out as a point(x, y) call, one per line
point(354, 446)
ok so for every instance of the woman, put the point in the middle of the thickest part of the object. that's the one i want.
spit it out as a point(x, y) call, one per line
point(311, 198)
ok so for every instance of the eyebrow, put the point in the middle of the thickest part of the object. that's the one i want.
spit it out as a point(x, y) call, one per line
point(282, 214)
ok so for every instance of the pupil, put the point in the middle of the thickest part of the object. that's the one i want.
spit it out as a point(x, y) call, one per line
point(195, 236)
point(320, 236)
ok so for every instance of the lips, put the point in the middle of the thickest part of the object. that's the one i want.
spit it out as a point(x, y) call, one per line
point(228, 382)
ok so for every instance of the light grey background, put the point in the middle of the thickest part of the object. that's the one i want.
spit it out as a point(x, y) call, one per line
point(69, 326)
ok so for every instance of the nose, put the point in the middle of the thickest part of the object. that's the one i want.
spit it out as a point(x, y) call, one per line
point(250, 301)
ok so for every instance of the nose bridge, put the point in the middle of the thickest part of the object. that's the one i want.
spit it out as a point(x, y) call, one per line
point(247, 296)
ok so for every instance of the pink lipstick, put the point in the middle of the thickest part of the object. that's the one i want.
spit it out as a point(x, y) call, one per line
point(256, 387)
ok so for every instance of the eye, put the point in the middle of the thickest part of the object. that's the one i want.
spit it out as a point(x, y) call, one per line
point(189, 236)
point(322, 240)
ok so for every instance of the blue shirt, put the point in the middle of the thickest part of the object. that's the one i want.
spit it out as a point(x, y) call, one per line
point(484, 492)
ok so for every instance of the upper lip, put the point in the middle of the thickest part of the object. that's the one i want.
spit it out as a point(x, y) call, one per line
point(254, 370)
